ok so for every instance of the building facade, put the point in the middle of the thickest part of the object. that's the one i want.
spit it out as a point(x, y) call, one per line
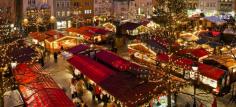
point(37, 14)
point(144, 8)
point(102, 7)
point(7, 18)
point(209, 7)
point(82, 12)
point(226, 6)
point(123, 9)
point(132, 9)
point(62, 13)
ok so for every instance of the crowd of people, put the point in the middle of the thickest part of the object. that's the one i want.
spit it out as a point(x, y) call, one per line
point(80, 84)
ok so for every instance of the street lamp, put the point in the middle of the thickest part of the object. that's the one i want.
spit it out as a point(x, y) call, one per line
point(195, 70)
point(52, 21)
point(38, 21)
point(25, 23)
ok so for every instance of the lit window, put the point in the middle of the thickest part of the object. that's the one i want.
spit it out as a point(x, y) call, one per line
point(68, 13)
point(62, 13)
point(58, 13)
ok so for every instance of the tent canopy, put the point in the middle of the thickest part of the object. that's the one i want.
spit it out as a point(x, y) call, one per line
point(42, 90)
point(215, 19)
point(123, 86)
point(78, 48)
point(210, 71)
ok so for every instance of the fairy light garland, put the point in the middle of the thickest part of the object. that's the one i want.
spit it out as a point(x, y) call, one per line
point(16, 51)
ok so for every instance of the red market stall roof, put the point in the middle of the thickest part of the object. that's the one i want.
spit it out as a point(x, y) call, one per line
point(210, 71)
point(118, 62)
point(42, 90)
point(53, 38)
point(79, 48)
point(88, 31)
point(125, 87)
point(38, 36)
point(23, 74)
point(72, 29)
point(184, 63)
point(206, 70)
point(181, 62)
point(163, 57)
point(49, 97)
point(215, 33)
point(130, 26)
point(95, 71)
point(164, 42)
point(199, 52)
point(52, 32)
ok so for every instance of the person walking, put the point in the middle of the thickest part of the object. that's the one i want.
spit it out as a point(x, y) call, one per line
point(55, 56)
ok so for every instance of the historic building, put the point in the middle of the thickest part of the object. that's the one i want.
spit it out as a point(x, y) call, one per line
point(62, 12)
point(209, 7)
point(132, 9)
point(102, 7)
point(7, 18)
point(123, 9)
point(226, 6)
point(38, 14)
point(82, 12)
point(144, 8)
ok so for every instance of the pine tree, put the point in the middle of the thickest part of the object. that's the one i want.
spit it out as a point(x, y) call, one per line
point(169, 14)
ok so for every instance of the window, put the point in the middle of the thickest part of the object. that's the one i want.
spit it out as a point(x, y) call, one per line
point(87, 11)
point(58, 4)
point(63, 13)
point(58, 13)
point(86, 3)
point(68, 13)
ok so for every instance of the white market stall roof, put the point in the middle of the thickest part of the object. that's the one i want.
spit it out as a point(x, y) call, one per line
point(215, 20)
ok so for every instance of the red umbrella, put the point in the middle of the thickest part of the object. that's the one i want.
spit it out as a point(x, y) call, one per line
point(214, 104)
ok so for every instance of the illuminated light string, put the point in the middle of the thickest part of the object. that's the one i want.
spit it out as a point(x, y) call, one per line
point(16, 51)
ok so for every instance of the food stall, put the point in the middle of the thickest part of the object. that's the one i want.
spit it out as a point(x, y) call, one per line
point(37, 38)
point(225, 62)
point(211, 21)
point(39, 90)
point(130, 28)
point(109, 27)
point(188, 37)
point(141, 53)
point(92, 34)
point(110, 80)
point(210, 76)
point(57, 41)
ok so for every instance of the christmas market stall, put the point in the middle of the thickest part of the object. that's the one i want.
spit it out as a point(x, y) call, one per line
point(121, 64)
point(58, 41)
point(38, 89)
point(188, 37)
point(212, 21)
point(91, 34)
point(130, 28)
point(225, 62)
point(110, 27)
point(141, 53)
point(17, 52)
point(77, 49)
point(120, 87)
point(210, 76)
point(197, 54)
point(37, 38)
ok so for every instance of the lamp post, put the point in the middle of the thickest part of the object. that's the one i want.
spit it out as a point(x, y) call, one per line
point(38, 22)
point(52, 20)
point(25, 23)
point(195, 70)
